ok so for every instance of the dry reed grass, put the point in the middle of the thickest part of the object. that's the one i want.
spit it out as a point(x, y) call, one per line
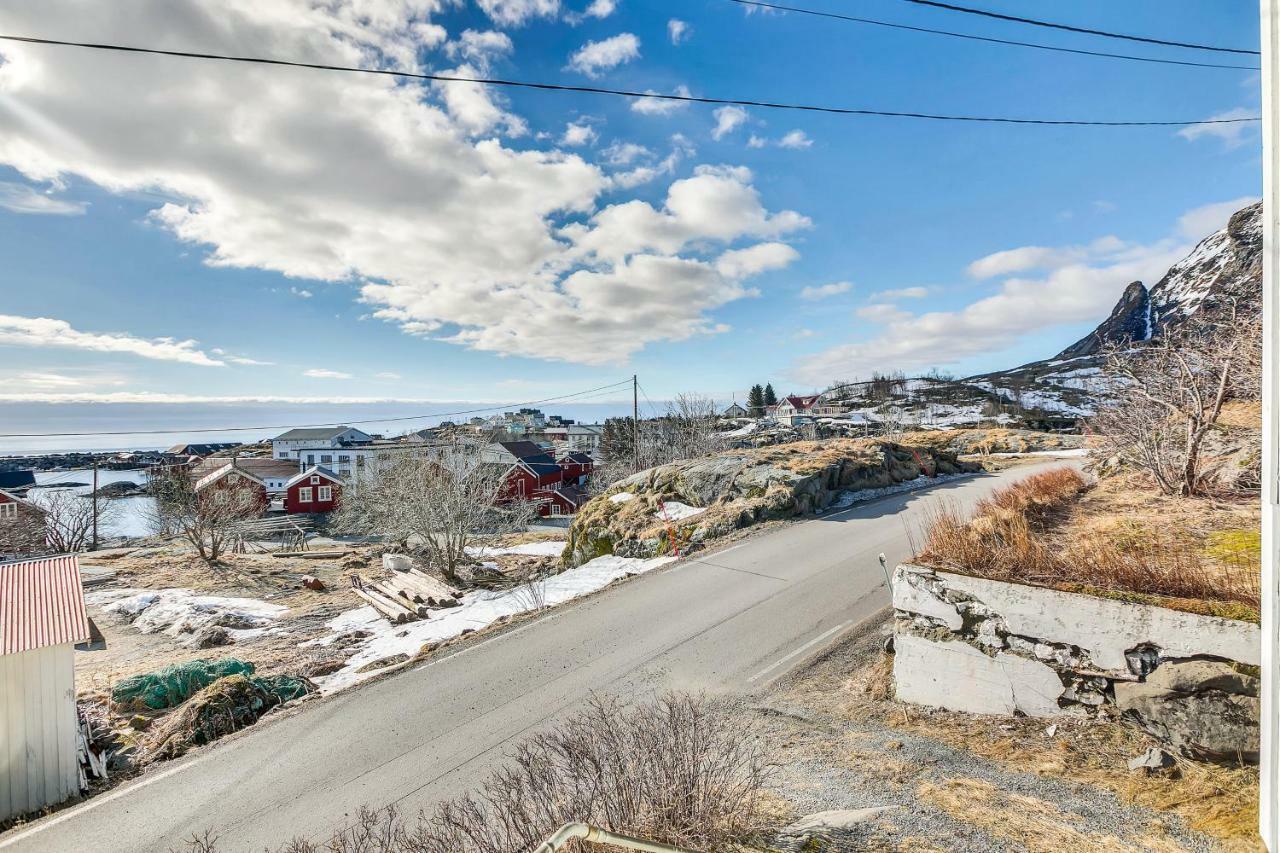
point(1011, 537)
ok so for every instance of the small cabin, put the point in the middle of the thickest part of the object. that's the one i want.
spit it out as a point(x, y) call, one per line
point(315, 490)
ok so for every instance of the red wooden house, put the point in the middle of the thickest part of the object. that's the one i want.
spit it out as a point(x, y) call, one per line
point(229, 479)
point(577, 466)
point(315, 490)
point(22, 526)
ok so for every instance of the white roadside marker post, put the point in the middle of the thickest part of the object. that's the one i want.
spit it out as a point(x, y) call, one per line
point(1269, 813)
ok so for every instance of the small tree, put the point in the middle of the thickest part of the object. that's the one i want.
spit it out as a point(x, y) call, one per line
point(1171, 395)
point(440, 507)
point(755, 401)
point(207, 519)
point(69, 519)
point(770, 398)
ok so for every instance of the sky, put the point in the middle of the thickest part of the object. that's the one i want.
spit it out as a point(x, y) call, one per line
point(188, 243)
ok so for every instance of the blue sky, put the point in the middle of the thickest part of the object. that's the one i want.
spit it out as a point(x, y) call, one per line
point(180, 234)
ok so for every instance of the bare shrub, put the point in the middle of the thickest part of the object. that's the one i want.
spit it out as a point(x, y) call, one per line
point(1173, 391)
point(687, 431)
point(208, 519)
point(435, 504)
point(678, 770)
point(1004, 540)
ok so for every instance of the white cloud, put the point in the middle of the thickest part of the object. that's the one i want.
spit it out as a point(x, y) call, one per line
point(237, 359)
point(301, 292)
point(480, 47)
point(795, 139)
point(902, 293)
point(601, 8)
point(1078, 284)
point(48, 380)
point(20, 198)
point(625, 153)
point(1202, 221)
point(825, 291)
point(661, 106)
point(395, 188)
point(48, 332)
point(645, 170)
point(728, 119)
point(753, 260)
point(386, 374)
point(678, 31)
point(1232, 135)
point(595, 57)
point(757, 141)
point(514, 13)
point(801, 334)
point(577, 134)
point(321, 373)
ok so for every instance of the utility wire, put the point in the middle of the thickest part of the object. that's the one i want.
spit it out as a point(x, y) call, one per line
point(990, 40)
point(968, 10)
point(595, 90)
point(557, 399)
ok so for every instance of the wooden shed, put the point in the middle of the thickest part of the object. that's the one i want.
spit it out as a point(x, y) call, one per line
point(42, 618)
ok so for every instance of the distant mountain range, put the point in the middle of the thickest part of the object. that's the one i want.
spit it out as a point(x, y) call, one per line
point(1224, 267)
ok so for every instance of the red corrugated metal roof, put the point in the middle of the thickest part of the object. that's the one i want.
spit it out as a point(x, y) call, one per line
point(41, 604)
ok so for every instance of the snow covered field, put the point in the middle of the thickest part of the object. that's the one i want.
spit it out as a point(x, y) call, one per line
point(478, 610)
point(180, 613)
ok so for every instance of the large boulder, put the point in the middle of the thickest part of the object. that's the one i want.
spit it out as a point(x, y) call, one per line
point(1206, 709)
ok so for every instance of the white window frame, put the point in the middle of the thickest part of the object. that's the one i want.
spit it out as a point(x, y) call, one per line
point(324, 493)
point(8, 510)
point(315, 478)
point(304, 494)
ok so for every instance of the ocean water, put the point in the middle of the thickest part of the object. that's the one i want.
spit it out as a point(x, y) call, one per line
point(125, 516)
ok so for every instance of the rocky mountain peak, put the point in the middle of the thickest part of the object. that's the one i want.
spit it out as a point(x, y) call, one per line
point(1130, 321)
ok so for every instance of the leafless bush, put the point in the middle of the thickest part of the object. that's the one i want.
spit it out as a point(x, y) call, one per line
point(69, 518)
point(678, 770)
point(687, 431)
point(1173, 391)
point(208, 519)
point(436, 504)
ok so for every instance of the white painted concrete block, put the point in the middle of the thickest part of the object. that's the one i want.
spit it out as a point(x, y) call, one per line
point(958, 677)
point(915, 599)
point(1107, 628)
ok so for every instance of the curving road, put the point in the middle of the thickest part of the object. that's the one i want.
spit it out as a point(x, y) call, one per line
point(730, 621)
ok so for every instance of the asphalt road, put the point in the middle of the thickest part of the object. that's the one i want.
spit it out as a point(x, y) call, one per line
point(732, 621)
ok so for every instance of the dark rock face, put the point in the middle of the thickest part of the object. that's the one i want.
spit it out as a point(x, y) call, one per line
point(1224, 268)
point(1130, 321)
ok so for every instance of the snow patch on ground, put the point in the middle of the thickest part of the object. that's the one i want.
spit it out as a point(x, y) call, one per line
point(181, 612)
point(675, 511)
point(621, 497)
point(848, 499)
point(531, 549)
point(477, 610)
point(1065, 454)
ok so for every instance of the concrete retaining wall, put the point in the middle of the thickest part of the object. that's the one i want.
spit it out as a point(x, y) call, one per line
point(991, 647)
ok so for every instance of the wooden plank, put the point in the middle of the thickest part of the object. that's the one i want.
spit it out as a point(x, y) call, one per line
point(385, 588)
point(396, 615)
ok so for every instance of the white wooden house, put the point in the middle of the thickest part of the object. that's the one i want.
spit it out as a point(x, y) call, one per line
point(42, 618)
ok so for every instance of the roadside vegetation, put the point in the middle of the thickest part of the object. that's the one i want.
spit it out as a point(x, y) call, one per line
point(679, 770)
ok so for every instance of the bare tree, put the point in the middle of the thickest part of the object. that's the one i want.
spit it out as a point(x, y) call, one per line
point(438, 505)
point(69, 518)
point(687, 431)
point(1172, 393)
point(209, 518)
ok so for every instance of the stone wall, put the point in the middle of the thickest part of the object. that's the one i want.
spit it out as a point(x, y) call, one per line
point(991, 647)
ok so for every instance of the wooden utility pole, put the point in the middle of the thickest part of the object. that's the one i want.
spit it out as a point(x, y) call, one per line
point(635, 422)
point(1268, 816)
point(94, 545)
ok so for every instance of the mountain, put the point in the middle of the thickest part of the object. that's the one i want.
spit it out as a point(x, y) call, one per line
point(1223, 269)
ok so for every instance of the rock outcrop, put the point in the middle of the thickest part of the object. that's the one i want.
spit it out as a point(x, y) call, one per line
point(737, 489)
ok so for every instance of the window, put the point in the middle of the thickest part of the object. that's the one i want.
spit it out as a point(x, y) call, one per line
point(304, 495)
point(326, 458)
point(555, 509)
point(344, 457)
point(311, 459)
point(314, 480)
point(324, 493)
point(8, 510)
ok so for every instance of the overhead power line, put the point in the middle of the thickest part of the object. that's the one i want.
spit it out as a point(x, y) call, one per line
point(596, 90)
point(558, 399)
point(990, 40)
point(1000, 16)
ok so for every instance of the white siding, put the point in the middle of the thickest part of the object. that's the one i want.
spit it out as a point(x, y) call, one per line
point(38, 762)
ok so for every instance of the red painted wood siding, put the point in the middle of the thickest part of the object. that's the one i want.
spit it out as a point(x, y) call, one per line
point(294, 504)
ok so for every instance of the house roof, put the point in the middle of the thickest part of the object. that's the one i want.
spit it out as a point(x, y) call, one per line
point(41, 604)
point(17, 479)
point(17, 499)
point(802, 403)
point(312, 471)
point(218, 474)
point(579, 457)
point(312, 433)
point(258, 466)
point(199, 449)
point(573, 494)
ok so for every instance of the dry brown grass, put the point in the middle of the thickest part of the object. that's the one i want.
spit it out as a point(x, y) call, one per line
point(1126, 544)
point(1029, 822)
